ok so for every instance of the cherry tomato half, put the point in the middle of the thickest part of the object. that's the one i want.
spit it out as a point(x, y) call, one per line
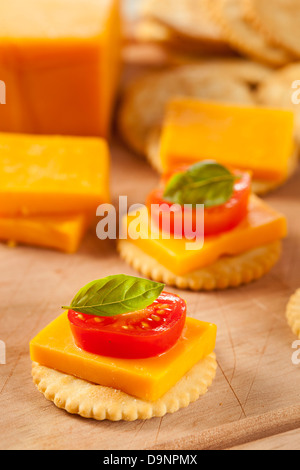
point(145, 333)
point(217, 220)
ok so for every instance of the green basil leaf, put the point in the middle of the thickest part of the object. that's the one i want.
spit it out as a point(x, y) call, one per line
point(207, 183)
point(115, 295)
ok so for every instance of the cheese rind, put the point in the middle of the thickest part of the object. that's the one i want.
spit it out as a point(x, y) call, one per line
point(148, 379)
point(262, 226)
point(59, 233)
point(44, 175)
point(60, 61)
point(249, 138)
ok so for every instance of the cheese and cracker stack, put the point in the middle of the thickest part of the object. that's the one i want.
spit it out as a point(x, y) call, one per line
point(252, 138)
point(130, 353)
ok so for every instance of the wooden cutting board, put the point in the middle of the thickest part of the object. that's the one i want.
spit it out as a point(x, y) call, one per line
point(255, 399)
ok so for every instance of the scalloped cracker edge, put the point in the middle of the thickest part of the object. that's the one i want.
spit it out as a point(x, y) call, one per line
point(242, 34)
point(227, 272)
point(89, 400)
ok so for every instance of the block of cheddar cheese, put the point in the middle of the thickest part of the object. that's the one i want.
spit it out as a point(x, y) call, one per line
point(148, 379)
point(60, 62)
point(62, 233)
point(249, 138)
point(45, 175)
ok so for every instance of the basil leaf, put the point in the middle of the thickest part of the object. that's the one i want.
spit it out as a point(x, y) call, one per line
point(207, 183)
point(115, 295)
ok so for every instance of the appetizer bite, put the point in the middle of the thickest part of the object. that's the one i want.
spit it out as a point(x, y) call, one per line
point(124, 350)
point(238, 242)
point(293, 313)
point(256, 139)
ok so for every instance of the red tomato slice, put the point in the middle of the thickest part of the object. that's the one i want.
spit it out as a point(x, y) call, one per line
point(217, 220)
point(146, 333)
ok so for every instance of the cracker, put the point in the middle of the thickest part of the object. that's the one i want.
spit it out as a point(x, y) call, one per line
point(89, 400)
point(227, 272)
point(187, 18)
point(242, 34)
point(293, 313)
point(151, 32)
point(279, 20)
point(276, 91)
point(143, 103)
point(260, 188)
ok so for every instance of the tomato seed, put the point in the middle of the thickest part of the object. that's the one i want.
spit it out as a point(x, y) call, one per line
point(160, 312)
point(80, 316)
point(155, 318)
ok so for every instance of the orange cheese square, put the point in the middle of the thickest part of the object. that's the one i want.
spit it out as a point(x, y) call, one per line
point(248, 138)
point(148, 379)
point(62, 233)
point(262, 226)
point(60, 61)
point(49, 175)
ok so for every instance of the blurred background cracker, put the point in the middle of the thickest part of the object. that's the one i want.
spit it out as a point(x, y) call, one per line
point(276, 90)
point(143, 102)
point(279, 20)
point(187, 19)
point(242, 35)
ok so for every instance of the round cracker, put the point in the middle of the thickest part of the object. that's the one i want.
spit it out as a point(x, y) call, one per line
point(279, 20)
point(293, 313)
point(276, 90)
point(89, 400)
point(189, 19)
point(143, 103)
point(151, 32)
point(243, 36)
point(227, 272)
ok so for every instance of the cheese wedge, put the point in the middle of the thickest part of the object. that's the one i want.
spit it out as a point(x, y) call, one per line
point(148, 379)
point(60, 233)
point(249, 138)
point(44, 175)
point(262, 226)
point(60, 61)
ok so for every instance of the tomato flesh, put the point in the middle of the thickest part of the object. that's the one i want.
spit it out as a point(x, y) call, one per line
point(217, 220)
point(145, 333)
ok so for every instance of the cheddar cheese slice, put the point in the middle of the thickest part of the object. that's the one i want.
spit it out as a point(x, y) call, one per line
point(148, 379)
point(262, 226)
point(60, 233)
point(249, 138)
point(45, 175)
point(60, 61)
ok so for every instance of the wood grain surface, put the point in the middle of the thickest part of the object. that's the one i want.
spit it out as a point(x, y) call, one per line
point(256, 394)
point(254, 402)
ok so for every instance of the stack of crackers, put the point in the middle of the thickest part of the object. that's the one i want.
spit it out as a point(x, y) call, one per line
point(264, 30)
point(240, 51)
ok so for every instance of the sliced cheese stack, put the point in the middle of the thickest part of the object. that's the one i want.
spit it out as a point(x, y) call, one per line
point(262, 226)
point(250, 138)
point(147, 379)
point(60, 62)
point(50, 188)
